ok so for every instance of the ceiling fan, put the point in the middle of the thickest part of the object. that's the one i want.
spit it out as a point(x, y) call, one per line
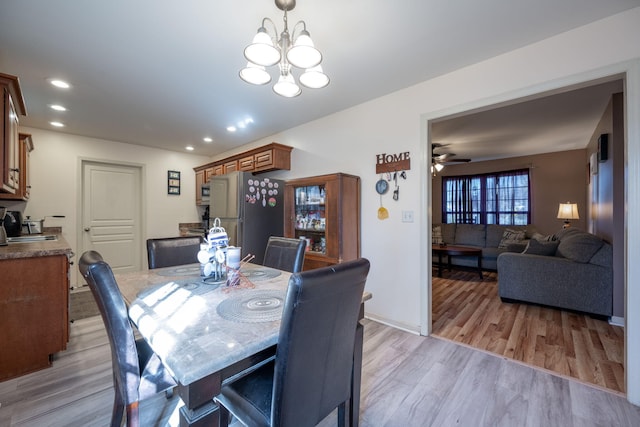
point(438, 160)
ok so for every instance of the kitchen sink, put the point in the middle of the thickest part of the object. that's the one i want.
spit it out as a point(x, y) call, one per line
point(32, 238)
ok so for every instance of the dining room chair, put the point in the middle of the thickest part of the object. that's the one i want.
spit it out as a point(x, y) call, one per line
point(172, 251)
point(285, 254)
point(138, 373)
point(311, 374)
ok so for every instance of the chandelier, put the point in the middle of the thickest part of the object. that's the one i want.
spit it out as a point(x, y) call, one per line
point(296, 50)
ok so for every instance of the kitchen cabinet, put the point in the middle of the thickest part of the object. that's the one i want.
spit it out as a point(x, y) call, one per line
point(23, 184)
point(324, 210)
point(266, 158)
point(12, 107)
point(34, 302)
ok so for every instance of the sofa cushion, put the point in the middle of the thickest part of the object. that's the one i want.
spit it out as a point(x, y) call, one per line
point(535, 247)
point(511, 236)
point(436, 235)
point(470, 234)
point(494, 235)
point(578, 246)
point(448, 232)
point(542, 238)
point(518, 247)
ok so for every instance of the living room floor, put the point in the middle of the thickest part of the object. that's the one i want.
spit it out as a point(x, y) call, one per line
point(468, 311)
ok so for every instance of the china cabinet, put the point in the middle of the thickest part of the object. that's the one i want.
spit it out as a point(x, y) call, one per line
point(325, 211)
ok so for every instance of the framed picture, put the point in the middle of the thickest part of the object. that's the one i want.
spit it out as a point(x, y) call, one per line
point(173, 182)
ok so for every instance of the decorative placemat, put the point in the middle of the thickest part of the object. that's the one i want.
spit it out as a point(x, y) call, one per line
point(182, 270)
point(260, 274)
point(253, 306)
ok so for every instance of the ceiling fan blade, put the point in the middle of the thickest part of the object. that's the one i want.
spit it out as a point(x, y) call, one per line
point(457, 161)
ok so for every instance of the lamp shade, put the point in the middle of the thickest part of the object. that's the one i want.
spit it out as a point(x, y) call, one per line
point(262, 51)
point(568, 211)
point(255, 74)
point(314, 78)
point(303, 54)
point(287, 86)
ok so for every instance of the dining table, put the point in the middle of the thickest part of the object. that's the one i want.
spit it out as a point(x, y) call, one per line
point(208, 333)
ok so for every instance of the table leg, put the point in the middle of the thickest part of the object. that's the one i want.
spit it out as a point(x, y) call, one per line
point(439, 264)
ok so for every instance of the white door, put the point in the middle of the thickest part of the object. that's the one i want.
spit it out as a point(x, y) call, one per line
point(111, 213)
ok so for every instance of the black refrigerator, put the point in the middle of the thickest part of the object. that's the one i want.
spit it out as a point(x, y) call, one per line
point(250, 208)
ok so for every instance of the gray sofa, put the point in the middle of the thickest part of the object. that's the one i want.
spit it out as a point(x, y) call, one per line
point(577, 276)
point(486, 237)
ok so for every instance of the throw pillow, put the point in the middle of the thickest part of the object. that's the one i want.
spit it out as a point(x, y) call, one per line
point(436, 235)
point(542, 238)
point(579, 246)
point(510, 236)
point(536, 247)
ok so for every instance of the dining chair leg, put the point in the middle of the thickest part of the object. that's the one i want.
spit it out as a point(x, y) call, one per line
point(223, 416)
point(343, 414)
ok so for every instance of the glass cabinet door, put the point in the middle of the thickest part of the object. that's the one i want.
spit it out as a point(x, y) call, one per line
point(310, 219)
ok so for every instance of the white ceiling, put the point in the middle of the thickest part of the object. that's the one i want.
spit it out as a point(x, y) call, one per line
point(165, 73)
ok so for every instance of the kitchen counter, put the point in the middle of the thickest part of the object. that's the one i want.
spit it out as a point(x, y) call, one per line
point(35, 249)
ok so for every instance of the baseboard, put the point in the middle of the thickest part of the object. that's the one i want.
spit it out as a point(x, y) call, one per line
point(387, 322)
point(616, 321)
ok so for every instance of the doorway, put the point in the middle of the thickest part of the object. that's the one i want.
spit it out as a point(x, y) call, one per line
point(621, 252)
point(111, 213)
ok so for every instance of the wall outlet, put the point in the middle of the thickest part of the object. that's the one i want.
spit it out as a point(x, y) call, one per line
point(407, 216)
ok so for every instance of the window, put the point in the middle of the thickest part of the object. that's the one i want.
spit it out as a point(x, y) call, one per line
point(493, 198)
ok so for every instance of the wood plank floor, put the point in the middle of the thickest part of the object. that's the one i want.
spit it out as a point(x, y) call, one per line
point(469, 311)
point(408, 380)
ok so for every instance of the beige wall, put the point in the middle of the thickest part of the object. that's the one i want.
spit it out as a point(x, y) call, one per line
point(555, 178)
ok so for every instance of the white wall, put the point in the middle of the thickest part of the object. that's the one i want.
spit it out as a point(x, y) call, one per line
point(348, 141)
point(55, 180)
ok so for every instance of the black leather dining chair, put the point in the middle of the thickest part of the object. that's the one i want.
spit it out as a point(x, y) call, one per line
point(137, 372)
point(311, 374)
point(171, 251)
point(285, 254)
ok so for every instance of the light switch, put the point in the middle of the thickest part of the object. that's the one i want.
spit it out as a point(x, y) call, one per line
point(407, 216)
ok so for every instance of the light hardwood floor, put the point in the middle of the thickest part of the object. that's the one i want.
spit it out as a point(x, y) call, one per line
point(469, 311)
point(408, 380)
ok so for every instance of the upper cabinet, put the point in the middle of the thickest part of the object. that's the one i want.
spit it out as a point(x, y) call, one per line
point(23, 190)
point(12, 108)
point(267, 158)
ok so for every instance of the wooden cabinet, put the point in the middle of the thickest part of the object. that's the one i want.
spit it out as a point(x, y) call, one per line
point(230, 166)
point(23, 187)
point(34, 302)
point(267, 158)
point(12, 107)
point(325, 210)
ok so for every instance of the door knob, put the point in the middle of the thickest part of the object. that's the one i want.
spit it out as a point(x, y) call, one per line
point(87, 229)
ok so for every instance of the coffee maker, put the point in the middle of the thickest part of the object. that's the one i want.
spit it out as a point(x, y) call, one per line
point(3, 233)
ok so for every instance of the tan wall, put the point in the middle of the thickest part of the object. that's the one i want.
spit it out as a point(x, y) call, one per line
point(555, 178)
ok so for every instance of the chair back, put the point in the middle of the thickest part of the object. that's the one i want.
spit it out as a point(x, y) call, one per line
point(314, 356)
point(285, 254)
point(170, 251)
point(124, 355)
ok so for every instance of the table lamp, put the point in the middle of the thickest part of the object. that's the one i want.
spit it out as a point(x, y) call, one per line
point(568, 211)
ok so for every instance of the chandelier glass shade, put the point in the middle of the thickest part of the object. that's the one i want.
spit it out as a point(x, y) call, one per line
point(267, 50)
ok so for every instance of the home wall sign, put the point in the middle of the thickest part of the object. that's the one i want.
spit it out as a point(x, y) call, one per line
point(393, 162)
point(173, 183)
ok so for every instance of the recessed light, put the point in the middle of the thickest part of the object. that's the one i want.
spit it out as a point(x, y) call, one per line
point(60, 83)
point(231, 128)
point(57, 124)
point(207, 139)
point(57, 107)
point(189, 148)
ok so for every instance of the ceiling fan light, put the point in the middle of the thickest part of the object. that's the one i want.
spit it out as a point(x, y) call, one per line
point(255, 74)
point(314, 78)
point(303, 54)
point(287, 86)
point(439, 167)
point(262, 51)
